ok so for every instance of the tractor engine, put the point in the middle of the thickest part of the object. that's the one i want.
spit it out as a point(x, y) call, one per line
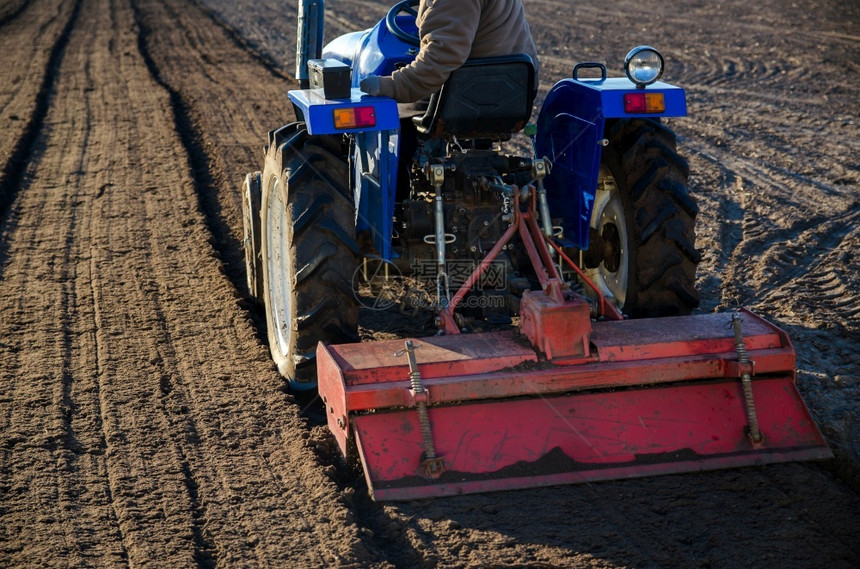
point(475, 209)
point(463, 198)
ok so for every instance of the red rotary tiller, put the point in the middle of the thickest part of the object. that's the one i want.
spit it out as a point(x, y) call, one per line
point(576, 392)
point(565, 398)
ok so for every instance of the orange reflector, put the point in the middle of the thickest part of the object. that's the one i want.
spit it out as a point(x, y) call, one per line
point(354, 117)
point(644, 103)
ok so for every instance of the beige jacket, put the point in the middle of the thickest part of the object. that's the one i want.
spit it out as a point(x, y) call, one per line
point(453, 31)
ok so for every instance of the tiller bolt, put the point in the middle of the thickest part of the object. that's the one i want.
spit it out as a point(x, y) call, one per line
point(433, 465)
point(754, 433)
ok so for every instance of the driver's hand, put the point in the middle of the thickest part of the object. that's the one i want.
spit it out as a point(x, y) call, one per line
point(370, 85)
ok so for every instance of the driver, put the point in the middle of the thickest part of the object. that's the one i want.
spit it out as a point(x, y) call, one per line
point(452, 31)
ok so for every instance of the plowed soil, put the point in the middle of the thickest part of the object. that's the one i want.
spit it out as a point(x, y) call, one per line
point(141, 420)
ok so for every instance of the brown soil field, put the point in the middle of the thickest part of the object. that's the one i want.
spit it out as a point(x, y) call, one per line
point(142, 422)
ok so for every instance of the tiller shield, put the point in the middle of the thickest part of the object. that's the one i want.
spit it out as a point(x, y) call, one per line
point(565, 398)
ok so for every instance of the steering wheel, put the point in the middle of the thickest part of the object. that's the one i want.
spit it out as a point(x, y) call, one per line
point(403, 7)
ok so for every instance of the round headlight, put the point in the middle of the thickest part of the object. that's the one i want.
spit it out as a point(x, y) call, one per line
point(643, 65)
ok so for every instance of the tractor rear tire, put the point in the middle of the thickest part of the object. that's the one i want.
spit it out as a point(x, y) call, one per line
point(309, 251)
point(646, 219)
point(251, 200)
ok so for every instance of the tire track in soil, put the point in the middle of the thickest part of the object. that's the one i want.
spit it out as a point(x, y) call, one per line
point(753, 241)
point(204, 182)
point(830, 281)
point(193, 76)
point(59, 193)
point(242, 43)
point(10, 10)
point(201, 88)
point(27, 79)
point(194, 98)
point(108, 246)
point(54, 428)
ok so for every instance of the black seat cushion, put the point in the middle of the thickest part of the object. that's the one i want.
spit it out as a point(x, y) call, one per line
point(486, 98)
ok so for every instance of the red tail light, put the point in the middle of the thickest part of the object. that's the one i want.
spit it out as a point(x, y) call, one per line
point(644, 103)
point(354, 117)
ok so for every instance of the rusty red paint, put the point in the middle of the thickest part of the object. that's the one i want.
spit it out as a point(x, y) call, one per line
point(587, 436)
point(652, 396)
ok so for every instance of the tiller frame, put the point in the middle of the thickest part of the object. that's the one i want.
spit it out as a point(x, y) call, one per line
point(565, 398)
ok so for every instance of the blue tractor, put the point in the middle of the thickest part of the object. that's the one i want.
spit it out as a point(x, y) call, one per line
point(351, 181)
point(586, 237)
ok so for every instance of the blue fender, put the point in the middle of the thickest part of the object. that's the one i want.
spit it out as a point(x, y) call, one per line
point(374, 161)
point(570, 132)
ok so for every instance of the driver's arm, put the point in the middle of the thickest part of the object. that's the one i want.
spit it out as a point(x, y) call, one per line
point(447, 29)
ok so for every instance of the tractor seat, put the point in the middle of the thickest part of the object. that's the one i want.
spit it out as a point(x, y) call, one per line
point(486, 98)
